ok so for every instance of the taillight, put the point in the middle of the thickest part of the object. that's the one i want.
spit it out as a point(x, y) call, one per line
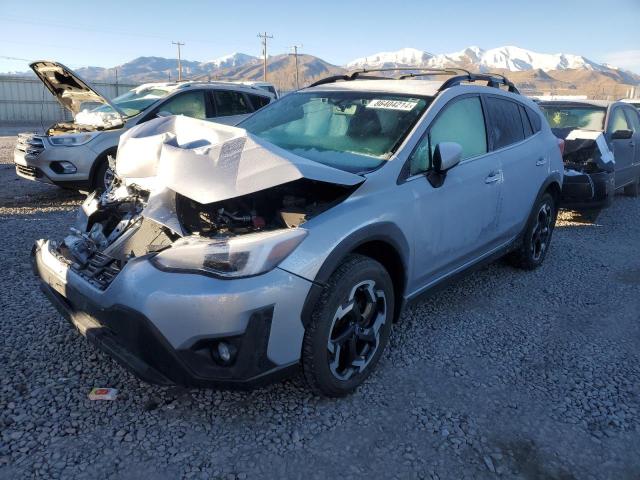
point(561, 146)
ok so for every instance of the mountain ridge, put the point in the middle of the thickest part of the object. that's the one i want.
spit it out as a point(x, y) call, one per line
point(559, 71)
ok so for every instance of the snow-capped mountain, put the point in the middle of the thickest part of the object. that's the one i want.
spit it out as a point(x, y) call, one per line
point(401, 58)
point(232, 60)
point(511, 58)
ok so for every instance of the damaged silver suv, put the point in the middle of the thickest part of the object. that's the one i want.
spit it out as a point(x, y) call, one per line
point(226, 256)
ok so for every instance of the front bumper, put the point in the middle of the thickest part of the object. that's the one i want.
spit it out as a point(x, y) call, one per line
point(162, 326)
point(588, 191)
point(38, 167)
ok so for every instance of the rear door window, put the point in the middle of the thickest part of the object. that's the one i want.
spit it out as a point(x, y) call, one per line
point(229, 103)
point(505, 124)
point(258, 101)
point(190, 104)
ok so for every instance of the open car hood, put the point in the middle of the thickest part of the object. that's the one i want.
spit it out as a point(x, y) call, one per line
point(209, 162)
point(70, 90)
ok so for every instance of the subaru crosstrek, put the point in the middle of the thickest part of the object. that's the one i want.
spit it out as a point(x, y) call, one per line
point(75, 154)
point(225, 256)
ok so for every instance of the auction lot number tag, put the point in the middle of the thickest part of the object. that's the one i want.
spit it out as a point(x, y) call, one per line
point(392, 104)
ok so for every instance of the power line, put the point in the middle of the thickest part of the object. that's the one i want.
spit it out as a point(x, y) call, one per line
point(264, 36)
point(179, 60)
point(295, 55)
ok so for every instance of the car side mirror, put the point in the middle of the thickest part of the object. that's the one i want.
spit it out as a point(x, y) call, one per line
point(163, 113)
point(621, 135)
point(445, 156)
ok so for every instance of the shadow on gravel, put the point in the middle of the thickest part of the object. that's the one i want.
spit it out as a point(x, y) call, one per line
point(530, 463)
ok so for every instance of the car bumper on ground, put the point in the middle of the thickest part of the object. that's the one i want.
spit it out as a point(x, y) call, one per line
point(587, 191)
point(165, 327)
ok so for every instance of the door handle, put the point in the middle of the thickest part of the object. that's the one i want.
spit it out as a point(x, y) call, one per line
point(540, 162)
point(493, 177)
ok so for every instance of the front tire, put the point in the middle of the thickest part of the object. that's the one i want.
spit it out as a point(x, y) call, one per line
point(103, 175)
point(350, 327)
point(537, 235)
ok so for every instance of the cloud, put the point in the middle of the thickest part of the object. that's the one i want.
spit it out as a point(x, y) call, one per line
point(627, 59)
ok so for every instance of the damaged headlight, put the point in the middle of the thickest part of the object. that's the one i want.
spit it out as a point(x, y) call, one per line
point(72, 139)
point(241, 256)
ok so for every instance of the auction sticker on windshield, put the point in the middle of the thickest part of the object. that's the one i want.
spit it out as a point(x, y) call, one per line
point(392, 104)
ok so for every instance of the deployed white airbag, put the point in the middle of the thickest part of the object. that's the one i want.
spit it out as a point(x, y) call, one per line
point(209, 162)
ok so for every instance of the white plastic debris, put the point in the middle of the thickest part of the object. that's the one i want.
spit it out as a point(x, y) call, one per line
point(102, 393)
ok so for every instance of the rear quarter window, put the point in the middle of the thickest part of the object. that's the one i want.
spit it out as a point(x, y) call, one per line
point(534, 118)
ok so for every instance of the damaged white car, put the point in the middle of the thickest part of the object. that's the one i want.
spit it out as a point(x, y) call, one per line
point(601, 150)
point(75, 154)
point(229, 256)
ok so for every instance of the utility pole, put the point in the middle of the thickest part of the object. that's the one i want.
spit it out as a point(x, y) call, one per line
point(264, 36)
point(179, 60)
point(295, 56)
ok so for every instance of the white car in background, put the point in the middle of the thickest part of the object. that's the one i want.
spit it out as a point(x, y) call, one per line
point(75, 154)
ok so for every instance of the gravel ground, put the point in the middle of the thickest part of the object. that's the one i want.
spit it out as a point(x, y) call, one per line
point(507, 373)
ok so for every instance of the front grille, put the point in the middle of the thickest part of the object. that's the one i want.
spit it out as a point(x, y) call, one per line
point(100, 270)
point(30, 144)
point(31, 172)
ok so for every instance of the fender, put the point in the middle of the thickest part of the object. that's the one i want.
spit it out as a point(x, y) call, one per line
point(384, 231)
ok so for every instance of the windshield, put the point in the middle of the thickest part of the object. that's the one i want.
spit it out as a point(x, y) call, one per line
point(587, 118)
point(352, 131)
point(135, 101)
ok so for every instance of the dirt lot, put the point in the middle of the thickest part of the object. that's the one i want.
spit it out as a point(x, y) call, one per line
point(516, 374)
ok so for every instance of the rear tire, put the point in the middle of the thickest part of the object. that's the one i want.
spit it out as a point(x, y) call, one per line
point(633, 190)
point(350, 327)
point(537, 235)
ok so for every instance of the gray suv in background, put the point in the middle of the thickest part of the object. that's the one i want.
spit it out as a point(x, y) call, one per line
point(601, 150)
point(74, 154)
point(232, 256)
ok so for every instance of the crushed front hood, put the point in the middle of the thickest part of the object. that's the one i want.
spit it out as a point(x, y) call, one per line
point(70, 90)
point(592, 143)
point(209, 162)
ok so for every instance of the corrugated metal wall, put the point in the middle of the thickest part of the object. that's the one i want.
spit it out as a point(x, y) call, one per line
point(26, 100)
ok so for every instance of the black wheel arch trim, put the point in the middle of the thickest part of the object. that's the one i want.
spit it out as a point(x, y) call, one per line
point(99, 158)
point(554, 178)
point(386, 232)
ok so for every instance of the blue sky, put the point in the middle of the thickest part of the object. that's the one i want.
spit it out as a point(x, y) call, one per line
point(110, 33)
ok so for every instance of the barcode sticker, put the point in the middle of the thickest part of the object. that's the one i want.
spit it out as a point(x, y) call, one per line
point(392, 104)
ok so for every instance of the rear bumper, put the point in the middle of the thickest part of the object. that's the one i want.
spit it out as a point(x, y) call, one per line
point(588, 191)
point(135, 340)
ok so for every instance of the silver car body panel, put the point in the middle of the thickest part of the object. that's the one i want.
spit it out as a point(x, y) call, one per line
point(187, 307)
point(438, 231)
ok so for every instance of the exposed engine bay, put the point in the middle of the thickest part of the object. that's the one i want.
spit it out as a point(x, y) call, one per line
point(112, 228)
point(64, 128)
point(284, 206)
